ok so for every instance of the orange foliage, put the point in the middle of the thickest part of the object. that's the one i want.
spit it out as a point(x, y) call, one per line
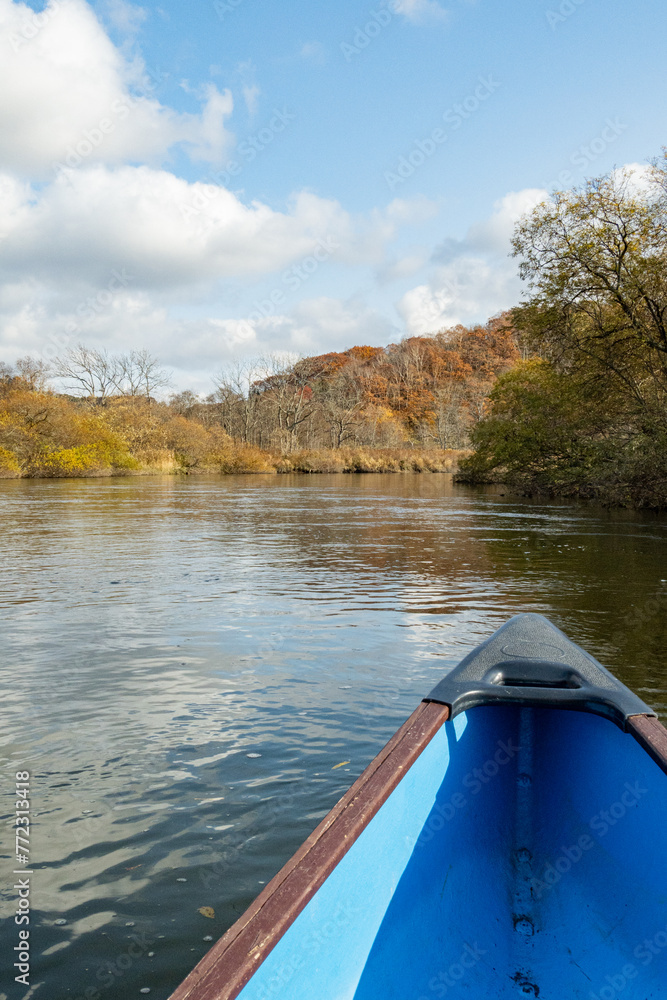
point(409, 378)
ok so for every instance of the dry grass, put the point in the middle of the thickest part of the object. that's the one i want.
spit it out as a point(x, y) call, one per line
point(371, 460)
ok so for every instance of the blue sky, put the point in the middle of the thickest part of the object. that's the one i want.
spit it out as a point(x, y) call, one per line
point(221, 180)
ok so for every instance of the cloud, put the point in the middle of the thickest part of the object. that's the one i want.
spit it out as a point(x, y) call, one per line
point(313, 52)
point(420, 11)
point(472, 278)
point(246, 72)
point(116, 257)
point(119, 257)
point(404, 267)
point(251, 94)
point(167, 231)
point(329, 324)
point(99, 242)
point(193, 347)
point(204, 134)
point(411, 211)
point(66, 90)
point(125, 17)
point(638, 177)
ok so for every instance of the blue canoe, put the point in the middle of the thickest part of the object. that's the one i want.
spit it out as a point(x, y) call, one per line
point(509, 841)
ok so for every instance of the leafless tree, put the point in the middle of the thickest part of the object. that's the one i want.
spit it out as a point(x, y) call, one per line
point(340, 402)
point(87, 372)
point(240, 403)
point(286, 387)
point(139, 373)
point(449, 429)
point(34, 371)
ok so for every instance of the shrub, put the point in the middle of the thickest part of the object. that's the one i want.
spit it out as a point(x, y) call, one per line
point(244, 458)
point(10, 467)
point(84, 460)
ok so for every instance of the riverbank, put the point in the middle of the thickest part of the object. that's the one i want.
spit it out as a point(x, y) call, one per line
point(636, 492)
point(96, 462)
point(44, 435)
point(372, 460)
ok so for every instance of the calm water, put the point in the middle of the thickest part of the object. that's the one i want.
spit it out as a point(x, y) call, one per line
point(185, 661)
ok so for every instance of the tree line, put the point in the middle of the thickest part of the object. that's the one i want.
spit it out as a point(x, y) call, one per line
point(407, 406)
point(423, 391)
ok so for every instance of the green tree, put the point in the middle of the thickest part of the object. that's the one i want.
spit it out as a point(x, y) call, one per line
point(595, 260)
point(587, 414)
point(538, 434)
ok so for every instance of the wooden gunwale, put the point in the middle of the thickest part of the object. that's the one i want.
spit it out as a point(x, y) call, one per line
point(651, 735)
point(226, 968)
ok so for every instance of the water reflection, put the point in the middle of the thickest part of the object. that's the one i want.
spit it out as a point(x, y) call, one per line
point(186, 660)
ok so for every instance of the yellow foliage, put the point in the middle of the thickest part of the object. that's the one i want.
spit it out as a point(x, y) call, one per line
point(9, 465)
point(84, 460)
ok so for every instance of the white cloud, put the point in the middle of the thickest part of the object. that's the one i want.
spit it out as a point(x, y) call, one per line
point(163, 229)
point(116, 251)
point(467, 291)
point(193, 348)
point(205, 134)
point(420, 11)
point(494, 233)
point(329, 324)
point(639, 178)
point(474, 277)
point(117, 257)
point(411, 211)
point(314, 326)
point(66, 90)
point(125, 17)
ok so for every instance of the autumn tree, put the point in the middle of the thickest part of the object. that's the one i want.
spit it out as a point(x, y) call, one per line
point(186, 403)
point(595, 260)
point(589, 414)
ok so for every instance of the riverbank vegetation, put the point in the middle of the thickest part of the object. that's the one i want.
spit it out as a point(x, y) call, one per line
point(405, 408)
point(585, 414)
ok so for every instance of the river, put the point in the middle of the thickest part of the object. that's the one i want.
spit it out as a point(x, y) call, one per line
point(186, 660)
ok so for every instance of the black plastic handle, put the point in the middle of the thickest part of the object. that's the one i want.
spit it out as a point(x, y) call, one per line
point(529, 661)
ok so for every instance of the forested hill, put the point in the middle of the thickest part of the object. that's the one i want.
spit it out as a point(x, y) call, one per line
point(427, 390)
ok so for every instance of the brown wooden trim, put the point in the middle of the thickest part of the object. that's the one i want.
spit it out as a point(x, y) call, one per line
point(224, 971)
point(652, 735)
